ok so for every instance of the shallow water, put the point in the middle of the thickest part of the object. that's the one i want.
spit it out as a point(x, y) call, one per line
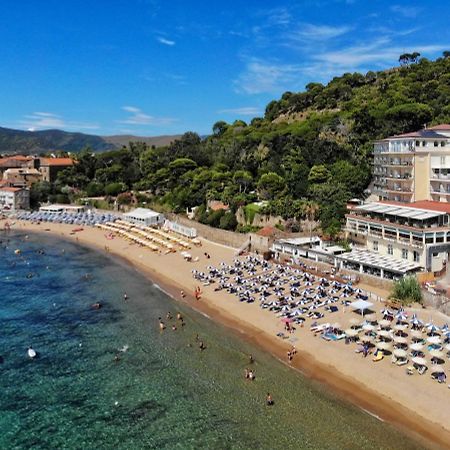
point(163, 393)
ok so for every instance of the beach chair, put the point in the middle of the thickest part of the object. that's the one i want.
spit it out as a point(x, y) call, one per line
point(378, 356)
point(421, 370)
point(402, 362)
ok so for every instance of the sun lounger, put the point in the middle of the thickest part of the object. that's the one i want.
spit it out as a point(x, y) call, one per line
point(421, 370)
point(401, 362)
point(378, 357)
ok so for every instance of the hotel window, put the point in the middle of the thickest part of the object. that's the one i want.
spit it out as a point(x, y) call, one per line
point(442, 143)
point(404, 253)
point(436, 143)
point(424, 144)
point(375, 246)
point(416, 256)
point(390, 249)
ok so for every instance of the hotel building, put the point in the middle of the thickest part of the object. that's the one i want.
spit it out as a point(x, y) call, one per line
point(413, 166)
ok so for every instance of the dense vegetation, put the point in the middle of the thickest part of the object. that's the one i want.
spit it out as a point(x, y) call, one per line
point(406, 291)
point(306, 157)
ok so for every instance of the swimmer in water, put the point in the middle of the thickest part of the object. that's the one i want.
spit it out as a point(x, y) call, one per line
point(161, 324)
point(201, 346)
point(125, 296)
point(168, 316)
point(269, 399)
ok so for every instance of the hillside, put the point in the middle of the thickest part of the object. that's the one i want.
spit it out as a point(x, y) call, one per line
point(30, 142)
point(309, 154)
point(120, 140)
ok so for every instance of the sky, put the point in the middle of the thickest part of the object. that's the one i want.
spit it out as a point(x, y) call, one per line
point(154, 67)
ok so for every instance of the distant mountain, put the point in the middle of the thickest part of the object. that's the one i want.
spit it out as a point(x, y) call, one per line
point(30, 142)
point(123, 139)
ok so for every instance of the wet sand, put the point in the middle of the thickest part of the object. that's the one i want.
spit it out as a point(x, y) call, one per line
point(417, 405)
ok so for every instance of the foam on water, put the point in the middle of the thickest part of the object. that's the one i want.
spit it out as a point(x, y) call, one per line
point(163, 392)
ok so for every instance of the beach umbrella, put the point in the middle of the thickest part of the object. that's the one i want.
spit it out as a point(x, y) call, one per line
point(416, 334)
point(351, 332)
point(385, 323)
point(383, 345)
point(401, 315)
point(420, 361)
point(384, 333)
point(400, 340)
point(437, 354)
point(367, 338)
point(434, 340)
point(400, 327)
point(368, 327)
point(447, 347)
point(286, 320)
point(416, 347)
point(400, 353)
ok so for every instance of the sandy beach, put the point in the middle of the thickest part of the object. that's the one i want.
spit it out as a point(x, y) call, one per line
point(416, 404)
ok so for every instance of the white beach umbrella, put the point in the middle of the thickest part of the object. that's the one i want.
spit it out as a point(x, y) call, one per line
point(437, 354)
point(386, 312)
point(400, 327)
point(368, 327)
point(416, 334)
point(400, 339)
point(447, 347)
point(400, 353)
point(351, 332)
point(419, 361)
point(434, 340)
point(383, 345)
point(401, 316)
point(385, 334)
point(416, 347)
point(385, 323)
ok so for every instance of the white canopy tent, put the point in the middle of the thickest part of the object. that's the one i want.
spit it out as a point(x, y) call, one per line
point(361, 305)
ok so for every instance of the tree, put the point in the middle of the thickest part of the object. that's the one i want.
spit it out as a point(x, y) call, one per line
point(270, 186)
point(243, 179)
point(219, 128)
point(115, 188)
point(319, 174)
point(228, 221)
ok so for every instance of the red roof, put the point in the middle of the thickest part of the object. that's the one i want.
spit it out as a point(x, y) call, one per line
point(267, 231)
point(56, 161)
point(444, 126)
point(217, 205)
point(423, 204)
point(10, 189)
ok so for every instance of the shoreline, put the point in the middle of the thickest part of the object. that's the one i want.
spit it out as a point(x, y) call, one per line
point(381, 406)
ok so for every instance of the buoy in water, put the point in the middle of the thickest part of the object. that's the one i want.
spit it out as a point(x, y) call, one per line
point(17, 251)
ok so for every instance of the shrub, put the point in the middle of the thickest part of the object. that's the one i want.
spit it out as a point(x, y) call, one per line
point(115, 188)
point(228, 221)
point(407, 290)
point(214, 217)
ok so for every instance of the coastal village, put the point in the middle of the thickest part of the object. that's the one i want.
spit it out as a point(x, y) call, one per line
point(320, 305)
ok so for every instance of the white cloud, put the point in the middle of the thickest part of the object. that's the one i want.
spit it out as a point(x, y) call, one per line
point(243, 111)
point(46, 120)
point(165, 41)
point(138, 117)
point(309, 31)
point(269, 77)
point(410, 12)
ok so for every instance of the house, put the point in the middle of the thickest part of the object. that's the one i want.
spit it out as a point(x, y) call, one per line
point(217, 205)
point(413, 166)
point(17, 162)
point(50, 167)
point(14, 198)
point(23, 177)
point(144, 217)
point(393, 238)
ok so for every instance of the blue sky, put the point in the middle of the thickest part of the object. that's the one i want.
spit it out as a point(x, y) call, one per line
point(152, 67)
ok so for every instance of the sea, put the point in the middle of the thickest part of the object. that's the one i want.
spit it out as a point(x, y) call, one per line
point(109, 378)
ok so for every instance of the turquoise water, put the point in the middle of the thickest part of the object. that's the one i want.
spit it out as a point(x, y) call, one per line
point(163, 393)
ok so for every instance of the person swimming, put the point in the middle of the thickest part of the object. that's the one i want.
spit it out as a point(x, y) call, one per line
point(201, 346)
point(168, 316)
point(162, 326)
point(269, 400)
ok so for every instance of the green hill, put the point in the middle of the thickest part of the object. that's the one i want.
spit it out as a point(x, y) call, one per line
point(309, 154)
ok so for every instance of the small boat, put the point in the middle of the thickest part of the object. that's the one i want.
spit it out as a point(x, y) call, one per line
point(31, 353)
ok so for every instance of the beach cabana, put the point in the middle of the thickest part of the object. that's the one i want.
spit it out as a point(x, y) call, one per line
point(361, 306)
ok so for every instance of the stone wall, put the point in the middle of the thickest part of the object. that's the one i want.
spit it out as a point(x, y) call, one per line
point(437, 301)
point(235, 240)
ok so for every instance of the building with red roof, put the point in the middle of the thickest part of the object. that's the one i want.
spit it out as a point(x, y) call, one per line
point(50, 167)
